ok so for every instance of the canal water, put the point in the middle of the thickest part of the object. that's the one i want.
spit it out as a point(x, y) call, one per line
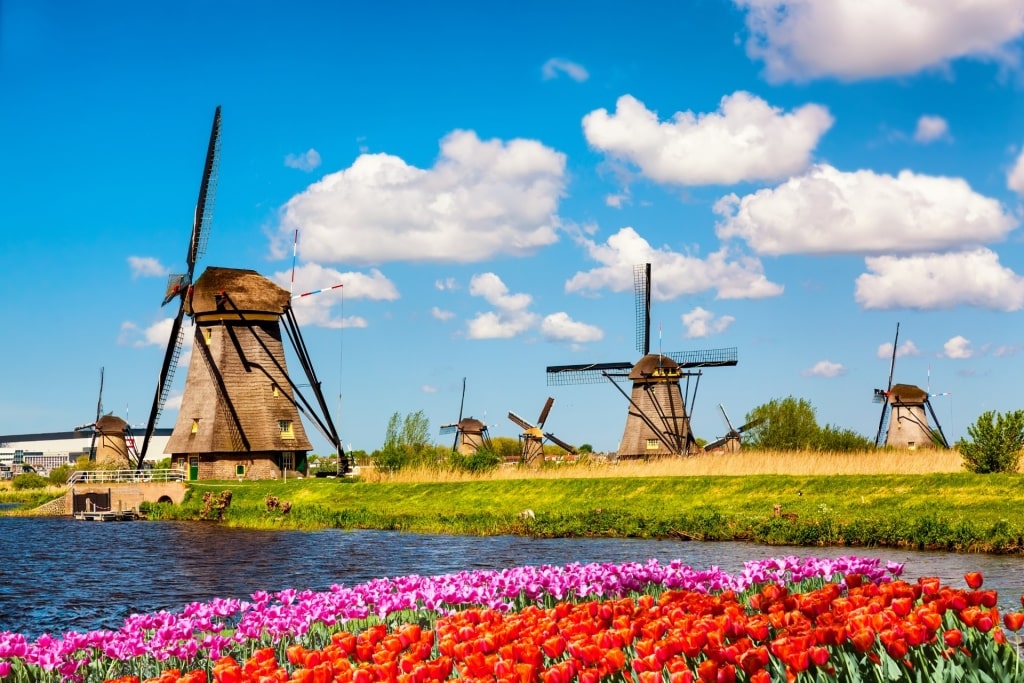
point(59, 575)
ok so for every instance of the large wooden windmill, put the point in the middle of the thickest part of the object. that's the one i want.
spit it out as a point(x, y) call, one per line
point(904, 420)
point(658, 416)
point(531, 441)
point(241, 411)
point(471, 434)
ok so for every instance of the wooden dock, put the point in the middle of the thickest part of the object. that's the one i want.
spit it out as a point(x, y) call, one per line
point(108, 516)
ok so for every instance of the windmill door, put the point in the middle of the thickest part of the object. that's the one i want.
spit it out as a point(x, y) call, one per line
point(193, 467)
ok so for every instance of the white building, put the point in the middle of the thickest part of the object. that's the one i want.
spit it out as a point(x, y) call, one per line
point(43, 452)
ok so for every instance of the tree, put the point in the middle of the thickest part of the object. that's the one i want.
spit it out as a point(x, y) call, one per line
point(415, 434)
point(842, 440)
point(786, 424)
point(996, 442)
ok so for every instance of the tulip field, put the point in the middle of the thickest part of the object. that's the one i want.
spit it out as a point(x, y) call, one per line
point(847, 619)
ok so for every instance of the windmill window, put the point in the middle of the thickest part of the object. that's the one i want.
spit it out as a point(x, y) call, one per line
point(208, 335)
point(195, 426)
point(287, 460)
point(275, 390)
point(285, 426)
point(652, 444)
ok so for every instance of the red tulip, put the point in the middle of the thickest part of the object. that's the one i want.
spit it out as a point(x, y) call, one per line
point(1013, 620)
point(953, 637)
point(974, 580)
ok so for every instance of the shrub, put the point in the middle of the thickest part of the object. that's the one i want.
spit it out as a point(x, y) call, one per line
point(482, 460)
point(996, 442)
point(59, 475)
point(29, 480)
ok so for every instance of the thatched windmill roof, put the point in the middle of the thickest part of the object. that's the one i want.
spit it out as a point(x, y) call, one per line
point(248, 291)
point(654, 364)
point(907, 393)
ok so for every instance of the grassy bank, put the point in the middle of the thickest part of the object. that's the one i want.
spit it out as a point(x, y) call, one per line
point(949, 510)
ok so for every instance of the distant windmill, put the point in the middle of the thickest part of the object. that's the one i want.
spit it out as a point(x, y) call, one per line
point(659, 412)
point(116, 445)
point(730, 443)
point(531, 441)
point(471, 434)
point(905, 409)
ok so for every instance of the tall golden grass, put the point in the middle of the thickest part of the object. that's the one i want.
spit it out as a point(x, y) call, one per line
point(797, 463)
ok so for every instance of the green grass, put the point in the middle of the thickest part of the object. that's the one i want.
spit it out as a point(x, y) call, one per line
point(957, 511)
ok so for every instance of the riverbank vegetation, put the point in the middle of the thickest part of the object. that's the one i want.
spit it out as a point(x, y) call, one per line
point(915, 500)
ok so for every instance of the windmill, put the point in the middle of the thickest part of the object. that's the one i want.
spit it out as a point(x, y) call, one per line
point(116, 447)
point(658, 416)
point(904, 420)
point(531, 441)
point(470, 434)
point(241, 410)
point(730, 443)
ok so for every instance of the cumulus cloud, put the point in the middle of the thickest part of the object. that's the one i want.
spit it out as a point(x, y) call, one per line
point(827, 211)
point(799, 40)
point(158, 334)
point(306, 161)
point(560, 327)
point(702, 323)
point(958, 347)
point(907, 348)
point(479, 200)
point(825, 368)
point(512, 317)
point(1015, 179)
point(746, 139)
point(929, 281)
point(672, 274)
point(930, 129)
point(441, 314)
point(318, 309)
point(446, 284)
point(555, 66)
point(146, 266)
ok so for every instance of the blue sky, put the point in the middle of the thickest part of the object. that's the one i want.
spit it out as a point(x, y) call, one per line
point(803, 175)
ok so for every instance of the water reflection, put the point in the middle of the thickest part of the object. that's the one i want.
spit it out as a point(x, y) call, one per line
point(62, 575)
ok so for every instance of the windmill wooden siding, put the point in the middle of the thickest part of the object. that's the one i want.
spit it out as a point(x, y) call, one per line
point(657, 394)
point(472, 436)
point(908, 422)
point(237, 408)
point(111, 446)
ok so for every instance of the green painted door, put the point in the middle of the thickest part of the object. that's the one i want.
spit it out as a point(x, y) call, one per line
point(193, 467)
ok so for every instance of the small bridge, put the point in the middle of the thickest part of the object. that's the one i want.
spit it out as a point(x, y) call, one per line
point(120, 490)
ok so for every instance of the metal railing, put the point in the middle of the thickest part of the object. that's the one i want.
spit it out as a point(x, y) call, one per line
point(124, 476)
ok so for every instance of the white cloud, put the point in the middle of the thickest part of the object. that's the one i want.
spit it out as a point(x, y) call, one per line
point(825, 368)
point(958, 347)
point(306, 161)
point(479, 200)
point(827, 211)
point(672, 274)
point(512, 317)
point(441, 314)
point(931, 128)
point(146, 266)
point(702, 323)
point(158, 334)
point(428, 389)
point(851, 39)
point(1006, 350)
point(907, 348)
point(971, 278)
point(446, 284)
point(1015, 179)
point(746, 139)
point(616, 200)
point(560, 327)
point(318, 309)
point(555, 66)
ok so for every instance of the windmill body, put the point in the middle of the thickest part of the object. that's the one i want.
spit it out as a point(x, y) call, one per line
point(238, 415)
point(663, 385)
point(908, 419)
point(112, 442)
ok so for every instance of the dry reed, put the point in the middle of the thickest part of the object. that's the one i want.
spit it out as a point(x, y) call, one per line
point(797, 463)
